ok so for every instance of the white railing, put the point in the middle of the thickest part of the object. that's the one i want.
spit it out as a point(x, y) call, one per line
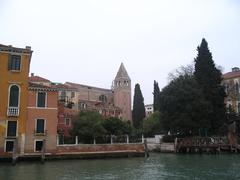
point(13, 111)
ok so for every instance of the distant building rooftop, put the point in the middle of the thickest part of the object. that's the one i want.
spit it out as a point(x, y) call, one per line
point(233, 74)
point(34, 78)
point(75, 85)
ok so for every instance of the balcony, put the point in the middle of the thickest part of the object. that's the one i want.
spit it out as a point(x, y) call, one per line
point(13, 111)
point(40, 133)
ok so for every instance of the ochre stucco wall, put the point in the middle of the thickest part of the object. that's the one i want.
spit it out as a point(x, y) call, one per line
point(6, 79)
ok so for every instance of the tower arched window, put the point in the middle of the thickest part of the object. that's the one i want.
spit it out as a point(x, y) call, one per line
point(14, 96)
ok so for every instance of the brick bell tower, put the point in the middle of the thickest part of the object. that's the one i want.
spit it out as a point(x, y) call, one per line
point(122, 93)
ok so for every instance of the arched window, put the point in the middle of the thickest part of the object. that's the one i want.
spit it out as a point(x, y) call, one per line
point(103, 98)
point(14, 96)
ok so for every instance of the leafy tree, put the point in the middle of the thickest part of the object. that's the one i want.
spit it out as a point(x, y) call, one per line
point(87, 125)
point(115, 126)
point(209, 78)
point(152, 124)
point(183, 107)
point(156, 93)
point(138, 112)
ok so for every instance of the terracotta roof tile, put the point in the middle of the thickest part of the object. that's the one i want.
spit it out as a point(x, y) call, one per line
point(77, 86)
point(37, 79)
point(232, 74)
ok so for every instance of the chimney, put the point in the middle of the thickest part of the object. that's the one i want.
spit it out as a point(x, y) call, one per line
point(32, 74)
point(28, 47)
point(235, 69)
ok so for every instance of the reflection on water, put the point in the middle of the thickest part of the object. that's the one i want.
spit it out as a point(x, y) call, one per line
point(157, 166)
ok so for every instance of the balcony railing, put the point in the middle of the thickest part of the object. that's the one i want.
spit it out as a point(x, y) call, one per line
point(13, 111)
point(40, 133)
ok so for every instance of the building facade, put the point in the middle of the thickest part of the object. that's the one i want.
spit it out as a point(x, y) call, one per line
point(114, 102)
point(122, 93)
point(149, 109)
point(14, 70)
point(231, 82)
point(65, 117)
point(42, 119)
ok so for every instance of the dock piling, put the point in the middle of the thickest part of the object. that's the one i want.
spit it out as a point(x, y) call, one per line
point(14, 154)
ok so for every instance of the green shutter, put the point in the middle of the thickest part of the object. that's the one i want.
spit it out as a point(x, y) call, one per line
point(12, 128)
point(14, 96)
point(41, 99)
point(40, 126)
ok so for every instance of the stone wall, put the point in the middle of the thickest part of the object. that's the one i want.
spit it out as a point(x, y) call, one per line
point(100, 148)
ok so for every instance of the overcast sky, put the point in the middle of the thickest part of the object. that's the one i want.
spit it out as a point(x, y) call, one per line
point(85, 41)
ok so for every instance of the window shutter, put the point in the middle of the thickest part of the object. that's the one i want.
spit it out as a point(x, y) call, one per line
point(40, 126)
point(12, 128)
point(41, 99)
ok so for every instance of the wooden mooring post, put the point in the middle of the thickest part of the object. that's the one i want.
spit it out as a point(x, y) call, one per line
point(43, 151)
point(15, 154)
point(146, 149)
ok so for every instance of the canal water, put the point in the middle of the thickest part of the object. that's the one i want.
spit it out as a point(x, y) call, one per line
point(156, 167)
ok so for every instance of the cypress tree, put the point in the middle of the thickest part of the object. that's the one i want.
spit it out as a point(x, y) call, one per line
point(156, 93)
point(209, 78)
point(138, 113)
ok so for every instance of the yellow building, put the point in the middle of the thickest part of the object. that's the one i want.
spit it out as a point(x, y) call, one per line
point(14, 70)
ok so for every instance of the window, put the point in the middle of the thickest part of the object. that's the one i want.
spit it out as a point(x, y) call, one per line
point(103, 98)
point(11, 128)
point(226, 88)
point(9, 146)
point(14, 96)
point(237, 88)
point(62, 96)
point(41, 99)
point(40, 126)
point(67, 121)
point(63, 93)
point(38, 145)
point(82, 105)
point(14, 62)
point(72, 94)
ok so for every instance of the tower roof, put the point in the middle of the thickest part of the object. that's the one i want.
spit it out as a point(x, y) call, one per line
point(122, 73)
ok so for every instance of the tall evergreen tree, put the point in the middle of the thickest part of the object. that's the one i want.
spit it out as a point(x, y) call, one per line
point(209, 78)
point(183, 106)
point(156, 93)
point(138, 113)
